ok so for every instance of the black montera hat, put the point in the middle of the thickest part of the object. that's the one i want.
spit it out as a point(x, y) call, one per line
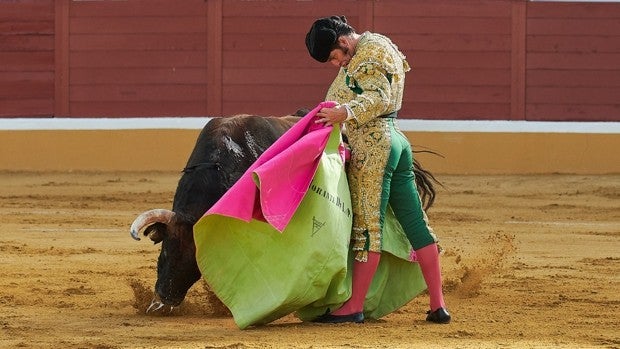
point(322, 36)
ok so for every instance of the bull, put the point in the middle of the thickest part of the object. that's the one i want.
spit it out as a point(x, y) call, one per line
point(224, 150)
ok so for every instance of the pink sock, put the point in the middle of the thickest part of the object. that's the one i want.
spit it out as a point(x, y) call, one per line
point(428, 257)
point(363, 273)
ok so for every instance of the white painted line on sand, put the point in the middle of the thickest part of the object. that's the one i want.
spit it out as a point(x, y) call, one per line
point(77, 230)
point(568, 224)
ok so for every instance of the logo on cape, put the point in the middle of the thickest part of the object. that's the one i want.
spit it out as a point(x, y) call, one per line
point(316, 225)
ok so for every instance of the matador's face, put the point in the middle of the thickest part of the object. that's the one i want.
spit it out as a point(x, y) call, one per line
point(341, 56)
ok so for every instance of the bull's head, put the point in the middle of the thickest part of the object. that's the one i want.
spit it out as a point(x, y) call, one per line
point(224, 150)
point(177, 270)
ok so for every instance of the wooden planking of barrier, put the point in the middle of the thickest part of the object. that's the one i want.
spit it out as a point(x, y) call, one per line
point(484, 60)
point(26, 58)
point(573, 58)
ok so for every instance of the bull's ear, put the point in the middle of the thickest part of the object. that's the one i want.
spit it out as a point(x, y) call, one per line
point(156, 232)
point(302, 112)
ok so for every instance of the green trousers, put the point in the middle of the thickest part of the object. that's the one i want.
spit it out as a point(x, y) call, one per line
point(400, 191)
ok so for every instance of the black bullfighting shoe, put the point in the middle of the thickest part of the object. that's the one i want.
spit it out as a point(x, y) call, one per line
point(328, 318)
point(439, 316)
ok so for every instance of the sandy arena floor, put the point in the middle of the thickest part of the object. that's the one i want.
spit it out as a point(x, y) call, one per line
point(530, 262)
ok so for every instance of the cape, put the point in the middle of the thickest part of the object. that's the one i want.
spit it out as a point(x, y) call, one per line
point(274, 185)
point(278, 241)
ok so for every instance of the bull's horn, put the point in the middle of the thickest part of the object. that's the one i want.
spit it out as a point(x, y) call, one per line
point(148, 218)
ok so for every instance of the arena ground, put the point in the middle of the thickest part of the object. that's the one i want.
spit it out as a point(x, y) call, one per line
point(531, 262)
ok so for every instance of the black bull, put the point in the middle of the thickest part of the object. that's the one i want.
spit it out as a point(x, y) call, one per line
point(225, 148)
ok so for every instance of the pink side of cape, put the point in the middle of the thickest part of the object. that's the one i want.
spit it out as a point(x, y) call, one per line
point(284, 172)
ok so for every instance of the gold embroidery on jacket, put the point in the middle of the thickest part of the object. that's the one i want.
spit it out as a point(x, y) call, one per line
point(372, 85)
point(378, 69)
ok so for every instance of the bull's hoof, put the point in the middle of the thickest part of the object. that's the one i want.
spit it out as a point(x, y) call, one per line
point(158, 307)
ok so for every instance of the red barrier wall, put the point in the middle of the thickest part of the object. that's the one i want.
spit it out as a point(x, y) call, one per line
point(480, 59)
point(26, 58)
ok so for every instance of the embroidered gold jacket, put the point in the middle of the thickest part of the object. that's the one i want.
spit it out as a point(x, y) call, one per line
point(372, 84)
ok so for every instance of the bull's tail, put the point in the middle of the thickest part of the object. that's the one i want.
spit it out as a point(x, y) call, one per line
point(425, 182)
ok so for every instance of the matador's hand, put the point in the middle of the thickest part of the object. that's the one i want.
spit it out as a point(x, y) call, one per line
point(330, 116)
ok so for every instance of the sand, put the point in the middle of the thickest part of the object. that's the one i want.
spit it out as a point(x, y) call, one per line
point(529, 262)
